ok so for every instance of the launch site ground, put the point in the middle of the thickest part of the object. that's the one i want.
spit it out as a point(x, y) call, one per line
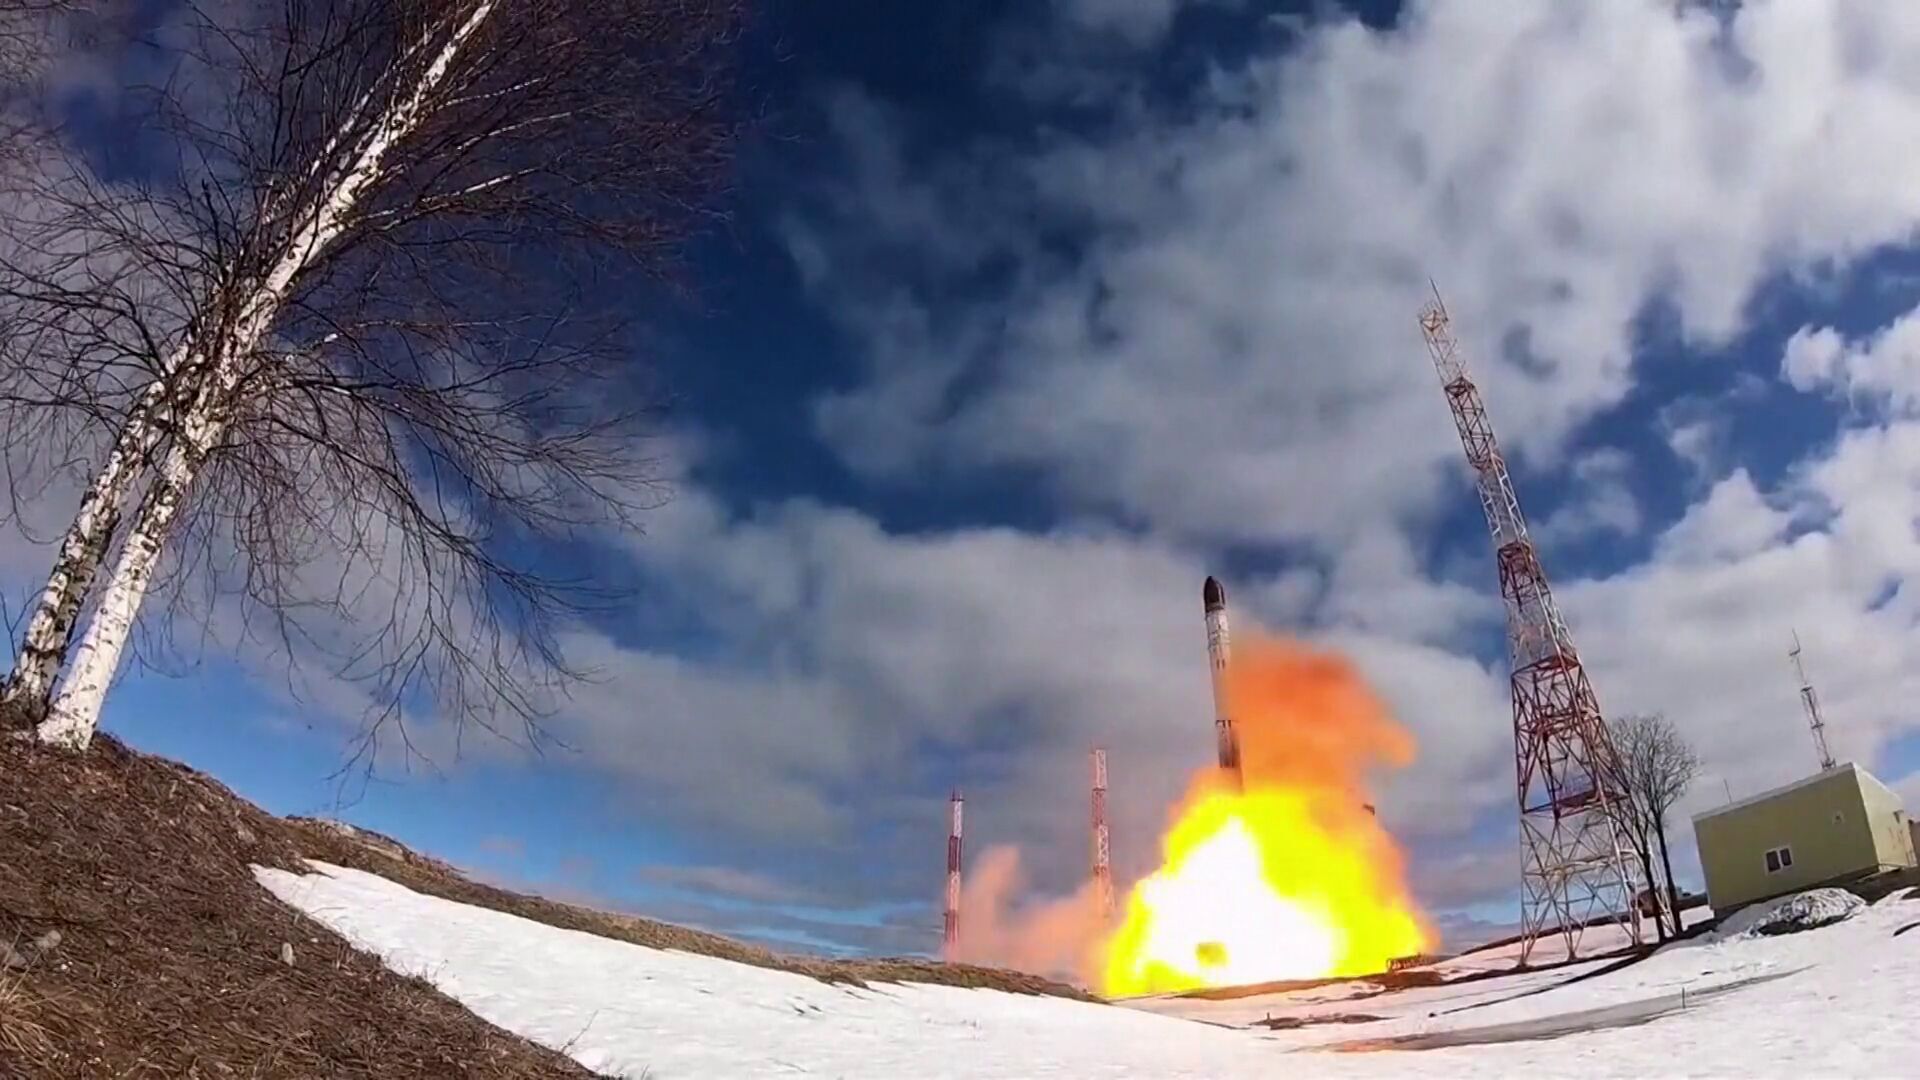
point(378, 961)
point(1821, 1002)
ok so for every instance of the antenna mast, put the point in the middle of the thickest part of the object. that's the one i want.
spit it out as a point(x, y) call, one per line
point(950, 942)
point(1102, 866)
point(1574, 866)
point(1812, 705)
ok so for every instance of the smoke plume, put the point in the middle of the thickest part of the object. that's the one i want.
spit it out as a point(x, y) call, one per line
point(1001, 926)
point(1311, 731)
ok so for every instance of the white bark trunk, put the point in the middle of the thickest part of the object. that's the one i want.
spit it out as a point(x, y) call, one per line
point(43, 647)
point(74, 714)
point(75, 710)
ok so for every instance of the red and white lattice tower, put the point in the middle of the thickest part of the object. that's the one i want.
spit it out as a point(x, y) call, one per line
point(950, 944)
point(1102, 864)
point(1575, 867)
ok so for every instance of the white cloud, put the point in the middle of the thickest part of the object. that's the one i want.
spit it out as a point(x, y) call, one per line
point(1137, 21)
point(1698, 427)
point(1228, 354)
point(1232, 355)
point(1908, 788)
point(1377, 585)
point(1702, 630)
point(1734, 521)
point(1602, 501)
point(864, 672)
point(1699, 443)
point(1224, 351)
point(1883, 368)
point(1814, 358)
point(722, 881)
point(860, 672)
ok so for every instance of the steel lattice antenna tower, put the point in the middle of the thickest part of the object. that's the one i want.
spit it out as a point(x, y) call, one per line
point(1102, 865)
point(1812, 705)
point(1574, 867)
point(950, 944)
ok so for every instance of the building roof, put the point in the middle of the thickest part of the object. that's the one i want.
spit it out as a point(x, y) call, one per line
point(1809, 781)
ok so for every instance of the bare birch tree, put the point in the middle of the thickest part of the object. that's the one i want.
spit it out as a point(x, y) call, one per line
point(1657, 765)
point(365, 316)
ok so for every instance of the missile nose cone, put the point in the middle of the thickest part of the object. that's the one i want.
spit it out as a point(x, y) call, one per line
point(1214, 595)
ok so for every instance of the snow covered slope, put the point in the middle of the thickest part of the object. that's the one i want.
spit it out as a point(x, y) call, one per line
point(629, 1011)
point(1552, 950)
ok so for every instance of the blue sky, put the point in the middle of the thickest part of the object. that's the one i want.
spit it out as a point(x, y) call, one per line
point(1031, 315)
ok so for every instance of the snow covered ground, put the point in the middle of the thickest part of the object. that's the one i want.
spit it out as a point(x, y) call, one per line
point(630, 1011)
point(1552, 950)
point(1483, 1001)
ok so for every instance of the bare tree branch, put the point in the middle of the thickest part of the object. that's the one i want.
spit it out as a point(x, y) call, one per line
point(1657, 766)
point(26, 29)
point(360, 334)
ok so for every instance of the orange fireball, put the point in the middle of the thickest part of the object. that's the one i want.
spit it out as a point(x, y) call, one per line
point(1291, 877)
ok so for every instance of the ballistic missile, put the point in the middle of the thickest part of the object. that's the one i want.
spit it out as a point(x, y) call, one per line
point(1219, 649)
point(1213, 597)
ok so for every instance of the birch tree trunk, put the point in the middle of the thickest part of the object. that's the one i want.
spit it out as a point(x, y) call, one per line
point(74, 715)
point(49, 633)
point(43, 646)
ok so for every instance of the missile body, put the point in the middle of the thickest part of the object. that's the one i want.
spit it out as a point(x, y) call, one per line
point(1219, 651)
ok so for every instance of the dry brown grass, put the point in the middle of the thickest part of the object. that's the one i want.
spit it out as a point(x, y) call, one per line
point(23, 1037)
point(169, 962)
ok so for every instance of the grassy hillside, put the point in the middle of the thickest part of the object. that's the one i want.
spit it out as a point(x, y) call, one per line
point(135, 942)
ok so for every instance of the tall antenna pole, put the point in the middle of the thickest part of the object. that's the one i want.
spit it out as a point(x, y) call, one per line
point(1102, 864)
point(1812, 705)
point(1574, 866)
point(950, 946)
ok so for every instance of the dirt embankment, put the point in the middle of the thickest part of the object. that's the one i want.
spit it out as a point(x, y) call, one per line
point(139, 945)
point(135, 942)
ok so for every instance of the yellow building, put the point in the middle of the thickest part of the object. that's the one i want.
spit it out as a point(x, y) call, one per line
point(1833, 826)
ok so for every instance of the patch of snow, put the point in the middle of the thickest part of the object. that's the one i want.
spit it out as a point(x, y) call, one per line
point(1594, 941)
point(628, 1010)
point(1790, 914)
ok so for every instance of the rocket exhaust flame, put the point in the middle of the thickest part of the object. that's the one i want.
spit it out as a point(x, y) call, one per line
point(1277, 868)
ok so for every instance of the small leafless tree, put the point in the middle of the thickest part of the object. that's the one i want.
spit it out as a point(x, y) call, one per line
point(1657, 765)
point(358, 324)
